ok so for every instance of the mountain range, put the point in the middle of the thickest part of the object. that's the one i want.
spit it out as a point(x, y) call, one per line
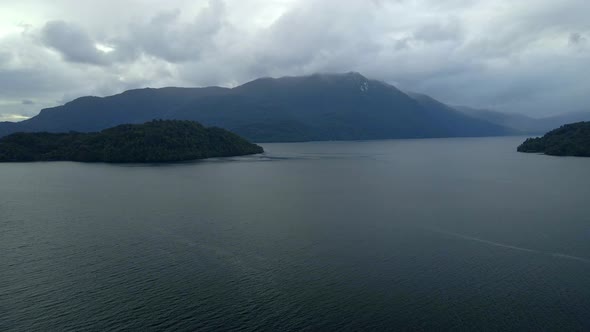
point(525, 124)
point(306, 108)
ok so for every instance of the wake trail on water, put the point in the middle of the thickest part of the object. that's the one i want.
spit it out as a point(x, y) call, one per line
point(476, 239)
point(508, 246)
point(576, 258)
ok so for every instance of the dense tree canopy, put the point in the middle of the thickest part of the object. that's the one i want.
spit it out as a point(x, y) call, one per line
point(568, 140)
point(155, 141)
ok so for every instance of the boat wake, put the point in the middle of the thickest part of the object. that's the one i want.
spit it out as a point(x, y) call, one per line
point(508, 246)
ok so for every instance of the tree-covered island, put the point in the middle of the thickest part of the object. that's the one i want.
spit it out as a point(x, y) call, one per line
point(154, 141)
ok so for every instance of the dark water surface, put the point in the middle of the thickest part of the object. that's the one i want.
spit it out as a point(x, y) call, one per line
point(461, 234)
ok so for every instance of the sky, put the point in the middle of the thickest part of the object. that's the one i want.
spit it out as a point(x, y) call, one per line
point(530, 57)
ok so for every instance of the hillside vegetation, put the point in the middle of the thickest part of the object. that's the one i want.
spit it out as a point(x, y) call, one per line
point(155, 141)
point(569, 140)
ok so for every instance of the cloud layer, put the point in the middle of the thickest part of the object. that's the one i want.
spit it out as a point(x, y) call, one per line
point(527, 57)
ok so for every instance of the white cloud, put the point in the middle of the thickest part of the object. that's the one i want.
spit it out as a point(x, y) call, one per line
point(516, 56)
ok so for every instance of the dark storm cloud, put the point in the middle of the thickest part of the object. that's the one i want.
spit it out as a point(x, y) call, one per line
point(72, 42)
point(164, 36)
point(576, 39)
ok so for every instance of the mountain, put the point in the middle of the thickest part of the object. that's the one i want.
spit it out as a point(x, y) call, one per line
point(522, 123)
point(568, 140)
point(155, 141)
point(452, 119)
point(571, 117)
point(316, 107)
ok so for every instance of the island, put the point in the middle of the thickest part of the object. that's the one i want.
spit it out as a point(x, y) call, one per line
point(568, 140)
point(152, 142)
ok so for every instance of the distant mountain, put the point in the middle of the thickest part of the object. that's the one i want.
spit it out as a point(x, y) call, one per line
point(317, 107)
point(568, 140)
point(439, 112)
point(522, 123)
point(560, 120)
point(155, 141)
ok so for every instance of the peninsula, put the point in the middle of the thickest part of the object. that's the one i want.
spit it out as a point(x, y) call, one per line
point(568, 140)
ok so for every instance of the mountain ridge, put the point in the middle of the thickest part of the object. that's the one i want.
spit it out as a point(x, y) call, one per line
point(522, 123)
point(345, 106)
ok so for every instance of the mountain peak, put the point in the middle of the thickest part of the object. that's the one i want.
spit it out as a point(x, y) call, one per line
point(356, 74)
point(348, 75)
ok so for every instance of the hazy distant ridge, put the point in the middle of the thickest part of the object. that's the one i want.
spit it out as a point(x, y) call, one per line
point(525, 124)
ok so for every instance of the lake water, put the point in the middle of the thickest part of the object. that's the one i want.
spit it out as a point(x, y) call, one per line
point(437, 234)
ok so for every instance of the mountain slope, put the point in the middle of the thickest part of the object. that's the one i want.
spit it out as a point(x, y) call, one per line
point(7, 128)
point(316, 107)
point(87, 114)
point(452, 120)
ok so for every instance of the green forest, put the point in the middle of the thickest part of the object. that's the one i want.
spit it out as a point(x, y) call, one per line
point(154, 141)
point(568, 140)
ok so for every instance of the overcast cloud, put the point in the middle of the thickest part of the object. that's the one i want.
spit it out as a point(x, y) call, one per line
point(516, 56)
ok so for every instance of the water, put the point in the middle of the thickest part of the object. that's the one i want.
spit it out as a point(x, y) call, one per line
point(462, 234)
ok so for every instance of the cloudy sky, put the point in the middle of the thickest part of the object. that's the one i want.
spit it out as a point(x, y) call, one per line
point(528, 56)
